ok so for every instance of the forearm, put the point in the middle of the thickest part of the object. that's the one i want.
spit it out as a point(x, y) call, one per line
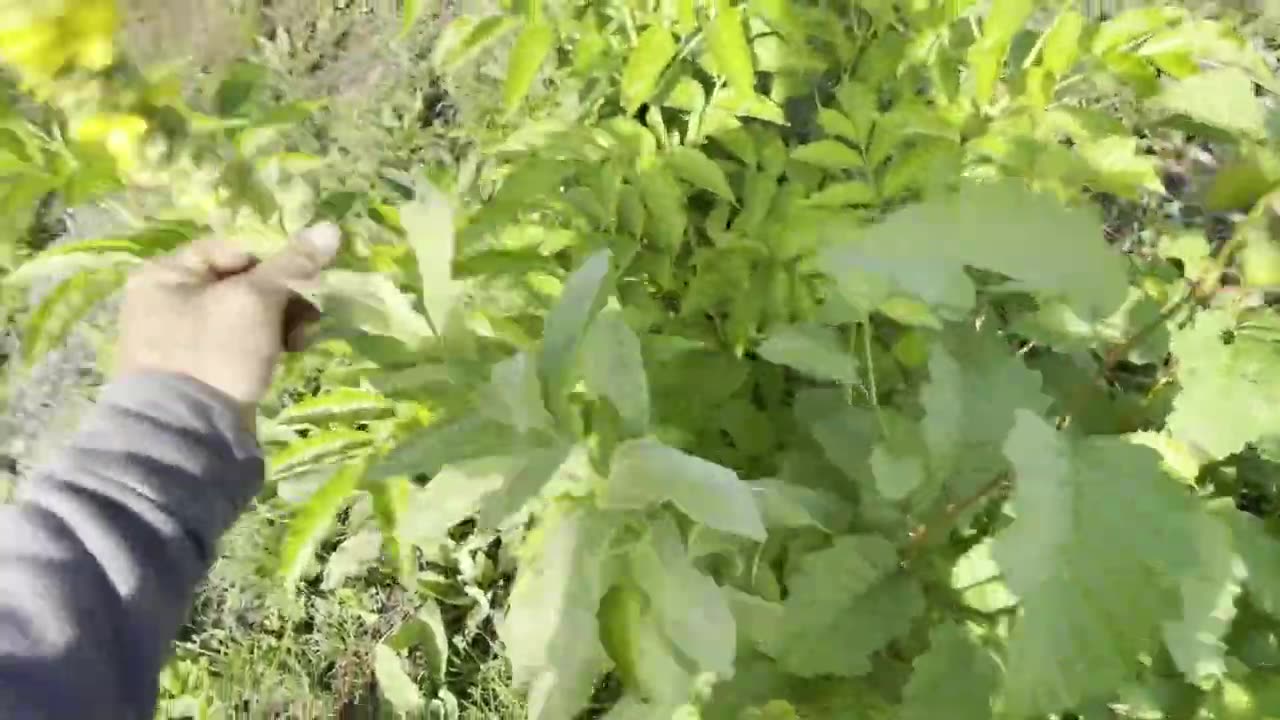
point(101, 553)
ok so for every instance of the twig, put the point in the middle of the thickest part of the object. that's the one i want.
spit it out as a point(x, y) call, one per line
point(948, 515)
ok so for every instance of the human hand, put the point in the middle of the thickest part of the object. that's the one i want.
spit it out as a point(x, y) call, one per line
point(215, 313)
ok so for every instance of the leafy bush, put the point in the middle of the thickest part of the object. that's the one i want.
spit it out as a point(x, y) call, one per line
point(780, 350)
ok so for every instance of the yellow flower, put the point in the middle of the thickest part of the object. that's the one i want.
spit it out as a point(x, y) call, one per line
point(41, 38)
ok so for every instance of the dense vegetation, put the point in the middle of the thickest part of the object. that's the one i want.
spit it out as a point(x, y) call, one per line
point(707, 359)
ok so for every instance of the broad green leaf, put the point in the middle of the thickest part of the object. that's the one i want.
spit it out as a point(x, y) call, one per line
point(550, 629)
point(829, 154)
point(1002, 226)
point(897, 474)
point(394, 682)
point(844, 604)
point(1120, 167)
point(784, 505)
point(1062, 43)
point(727, 42)
point(645, 65)
point(689, 606)
point(427, 450)
point(834, 122)
point(530, 51)
point(66, 307)
point(987, 56)
point(613, 368)
point(645, 472)
point(315, 449)
point(429, 224)
point(1222, 98)
point(352, 557)
point(372, 303)
point(390, 508)
point(1208, 606)
point(1259, 550)
point(976, 384)
point(1132, 25)
point(426, 632)
point(815, 350)
point(313, 523)
point(664, 201)
point(453, 495)
point(1230, 387)
point(413, 10)
point(1101, 540)
point(567, 323)
point(340, 406)
point(956, 678)
point(514, 395)
point(841, 194)
point(466, 37)
point(695, 168)
point(976, 578)
point(62, 261)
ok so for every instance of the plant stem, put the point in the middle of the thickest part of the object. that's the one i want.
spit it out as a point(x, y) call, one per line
point(947, 517)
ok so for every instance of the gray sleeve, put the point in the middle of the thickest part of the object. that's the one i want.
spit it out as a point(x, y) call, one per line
point(102, 552)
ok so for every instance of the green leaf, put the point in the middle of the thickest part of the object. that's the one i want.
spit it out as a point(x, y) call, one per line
point(1230, 387)
point(1132, 25)
point(426, 631)
point(613, 368)
point(897, 474)
point(850, 192)
point(371, 303)
point(664, 201)
point(390, 504)
point(976, 385)
point(784, 505)
point(727, 42)
point(429, 225)
point(690, 608)
point(956, 678)
point(829, 154)
point(987, 56)
point(1208, 606)
point(815, 350)
point(466, 37)
point(64, 260)
point(530, 52)
point(339, 406)
point(695, 168)
point(844, 604)
point(1259, 550)
point(1004, 227)
point(394, 682)
point(313, 523)
point(645, 472)
point(1101, 539)
point(1062, 43)
point(412, 11)
point(428, 450)
point(834, 122)
point(352, 557)
point(1222, 98)
point(315, 449)
point(645, 65)
point(567, 323)
point(65, 308)
point(550, 628)
point(514, 395)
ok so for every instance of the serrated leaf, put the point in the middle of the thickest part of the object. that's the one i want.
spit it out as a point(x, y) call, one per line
point(1000, 226)
point(849, 192)
point(695, 168)
point(513, 395)
point(1208, 606)
point(390, 504)
point(340, 406)
point(65, 307)
point(567, 323)
point(956, 679)
point(550, 629)
point(727, 42)
point(834, 122)
point(427, 450)
point(64, 260)
point(830, 155)
point(429, 225)
point(688, 605)
point(1101, 539)
point(394, 682)
point(316, 448)
point(815, 350)
point(975, 386)
point(645, 65)
point(315, 520)
point(844, 604)
point(613, 368)
point(371, 303)
point(1230, 387)
point(1222, 98)
point(645, 472)
point(530, 52)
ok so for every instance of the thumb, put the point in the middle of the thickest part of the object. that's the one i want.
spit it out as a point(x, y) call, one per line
point(308, 253)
